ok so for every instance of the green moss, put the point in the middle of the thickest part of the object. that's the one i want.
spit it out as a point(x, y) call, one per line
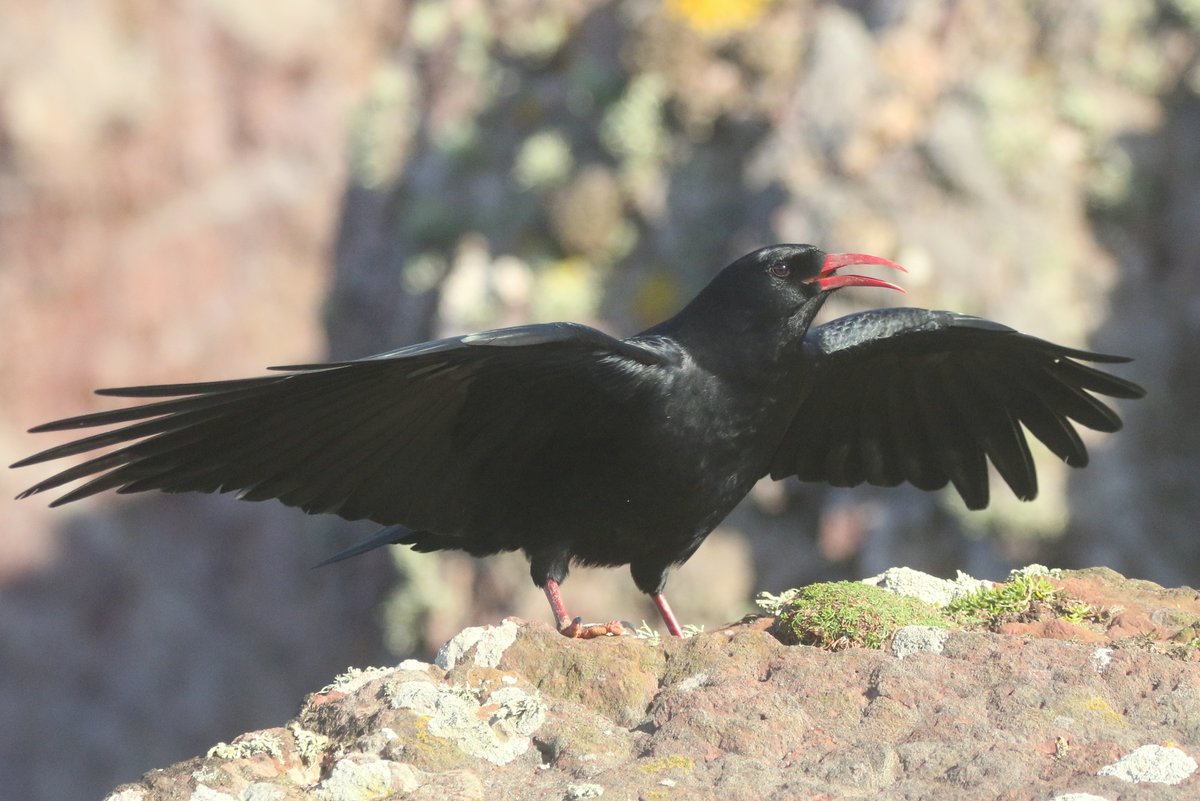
point(850, 614)
point(1003, 602)
point(1024, 598)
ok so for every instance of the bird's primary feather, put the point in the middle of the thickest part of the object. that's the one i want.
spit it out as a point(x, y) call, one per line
point(928, 396)
point(382, 437)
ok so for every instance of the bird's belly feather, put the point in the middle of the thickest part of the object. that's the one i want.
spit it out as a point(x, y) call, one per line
point(611, 498)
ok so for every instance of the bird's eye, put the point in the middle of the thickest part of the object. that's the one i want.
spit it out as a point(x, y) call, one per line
point(780, 270)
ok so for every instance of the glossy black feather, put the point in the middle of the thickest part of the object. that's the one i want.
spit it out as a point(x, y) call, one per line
point(323, 436)
point(573, 446)
point(959, 390)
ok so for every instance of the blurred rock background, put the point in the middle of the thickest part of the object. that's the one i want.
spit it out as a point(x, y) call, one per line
point(197, 190)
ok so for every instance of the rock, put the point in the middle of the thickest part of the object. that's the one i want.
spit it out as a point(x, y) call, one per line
point(917, 639)
point(488, 642)
point(1152, 763)
point(515, 711)
point(495, 726)
point(930, 589)
point(353, 779)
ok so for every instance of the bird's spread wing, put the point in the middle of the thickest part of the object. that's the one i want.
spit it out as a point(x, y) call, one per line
point(928, 397)
point(402, 437)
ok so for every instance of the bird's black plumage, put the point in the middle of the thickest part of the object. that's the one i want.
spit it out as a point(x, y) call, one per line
point(576, 447)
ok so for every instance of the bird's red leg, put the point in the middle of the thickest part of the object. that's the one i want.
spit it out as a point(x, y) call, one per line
point(556, 605)
point(575, 628)
point(668, 616)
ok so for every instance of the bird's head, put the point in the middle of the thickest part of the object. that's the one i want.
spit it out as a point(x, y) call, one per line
point(770, 295)
point(782, 281)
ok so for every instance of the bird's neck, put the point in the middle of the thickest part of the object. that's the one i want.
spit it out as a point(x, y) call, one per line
point(731, 341)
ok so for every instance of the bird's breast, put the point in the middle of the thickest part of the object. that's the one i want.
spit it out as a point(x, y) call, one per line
point(654, 473)
point(699, 454)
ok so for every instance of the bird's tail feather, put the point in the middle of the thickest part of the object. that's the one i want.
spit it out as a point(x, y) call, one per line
point(419, 540)
point(389, 535)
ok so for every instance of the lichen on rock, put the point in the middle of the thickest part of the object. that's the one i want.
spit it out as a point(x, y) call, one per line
point(496, 727)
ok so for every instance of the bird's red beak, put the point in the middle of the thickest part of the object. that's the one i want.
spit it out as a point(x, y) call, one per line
point(836, 261)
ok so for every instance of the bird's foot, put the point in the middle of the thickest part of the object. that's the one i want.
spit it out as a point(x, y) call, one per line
point(579, 630)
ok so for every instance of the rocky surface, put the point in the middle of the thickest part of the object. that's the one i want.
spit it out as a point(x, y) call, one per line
point(515, 711)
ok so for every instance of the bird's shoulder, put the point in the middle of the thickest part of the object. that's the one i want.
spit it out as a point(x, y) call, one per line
point(647, 350)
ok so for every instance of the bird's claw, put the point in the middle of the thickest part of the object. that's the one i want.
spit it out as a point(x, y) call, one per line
point(578, 630)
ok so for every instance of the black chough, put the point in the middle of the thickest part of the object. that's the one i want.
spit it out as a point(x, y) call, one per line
point(578, 448)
